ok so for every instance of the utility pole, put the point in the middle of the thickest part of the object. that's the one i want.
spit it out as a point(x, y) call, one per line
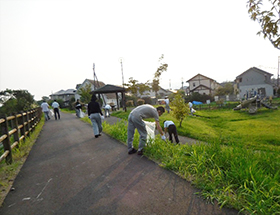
point(121, 60)
point(123, 94)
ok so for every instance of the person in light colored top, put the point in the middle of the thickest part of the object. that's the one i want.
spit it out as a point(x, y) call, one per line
point(135, 121)
point(55, 106)
point(167, 107)
point(45, 109)
point(172, 130)
point(107, 109)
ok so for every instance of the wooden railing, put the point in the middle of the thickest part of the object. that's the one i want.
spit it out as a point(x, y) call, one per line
point(15, 129)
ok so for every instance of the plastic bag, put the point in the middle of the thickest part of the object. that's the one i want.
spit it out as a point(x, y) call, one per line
point(150, 127)
point(82, 114)
point(51, 113)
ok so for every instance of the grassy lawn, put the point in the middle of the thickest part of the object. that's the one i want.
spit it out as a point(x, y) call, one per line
point(239, 167)
point(258, 131)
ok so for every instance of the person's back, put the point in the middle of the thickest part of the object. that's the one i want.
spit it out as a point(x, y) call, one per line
point(55, 104)
point(45, 107)
point(145, 111)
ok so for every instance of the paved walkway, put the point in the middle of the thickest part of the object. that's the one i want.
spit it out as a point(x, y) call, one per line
point(68, 171)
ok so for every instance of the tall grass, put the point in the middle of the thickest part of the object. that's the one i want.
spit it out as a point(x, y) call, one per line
point(239, 167)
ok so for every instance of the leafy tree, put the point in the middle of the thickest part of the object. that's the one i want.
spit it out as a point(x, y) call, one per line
point(160, 70)
point(179, 108)
point(15, 101)
point(226, 90)
point(198, 97)
point(85, 93)
point(143, 87)
point(132, 86)
point(268, 16)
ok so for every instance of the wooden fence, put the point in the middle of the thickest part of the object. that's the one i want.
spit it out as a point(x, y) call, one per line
point(15, 129)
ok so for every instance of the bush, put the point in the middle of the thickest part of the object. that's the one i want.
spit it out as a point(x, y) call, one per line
point(129, 103)
point(140, 102)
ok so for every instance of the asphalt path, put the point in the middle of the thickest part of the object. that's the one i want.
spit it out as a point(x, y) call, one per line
point(69, 171)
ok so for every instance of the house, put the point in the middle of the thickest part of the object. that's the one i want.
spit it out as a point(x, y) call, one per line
point(254, 81)
point(109, 98)
point(203, 85)
point(64, 95)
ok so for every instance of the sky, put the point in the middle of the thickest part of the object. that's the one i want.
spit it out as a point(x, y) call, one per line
point(51, 45)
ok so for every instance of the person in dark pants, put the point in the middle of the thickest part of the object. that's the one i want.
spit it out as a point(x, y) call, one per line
point(95, 114)
point(170, 126)
point(55, 106)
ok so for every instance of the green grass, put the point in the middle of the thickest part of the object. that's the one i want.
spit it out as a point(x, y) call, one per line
point(240, 165)
point(258, 131)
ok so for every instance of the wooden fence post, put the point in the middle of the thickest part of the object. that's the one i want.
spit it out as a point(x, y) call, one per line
point(16, 135)
point(22, 130)
point(28, 123)
point(6, 142)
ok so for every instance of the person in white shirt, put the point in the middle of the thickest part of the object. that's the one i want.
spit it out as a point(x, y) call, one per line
point(55, 106)
point(107, 109)
point(171, 128)
point(167, 107)
point(45, 109)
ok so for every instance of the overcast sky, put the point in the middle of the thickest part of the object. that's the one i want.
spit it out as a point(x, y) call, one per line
point(49, 45)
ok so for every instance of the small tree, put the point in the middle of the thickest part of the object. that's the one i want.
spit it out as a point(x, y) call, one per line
point(161, 68)
point(132, 86)
point(85, 93)
point(179, 108)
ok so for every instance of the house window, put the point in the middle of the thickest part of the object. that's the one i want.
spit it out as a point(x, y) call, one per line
point(193, 84)
point(240, 80)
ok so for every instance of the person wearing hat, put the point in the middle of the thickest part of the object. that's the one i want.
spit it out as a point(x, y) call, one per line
point(95, 114)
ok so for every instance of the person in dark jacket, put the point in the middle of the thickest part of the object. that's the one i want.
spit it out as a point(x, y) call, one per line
point(95, 114)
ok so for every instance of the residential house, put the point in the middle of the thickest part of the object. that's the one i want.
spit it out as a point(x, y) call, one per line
point(254, 81)
point(202, 85)
point(64, 95)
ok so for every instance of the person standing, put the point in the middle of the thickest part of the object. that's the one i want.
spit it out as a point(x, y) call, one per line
point(45, 109)
point(55, 106)
point(95, 114)
point(172, 130)
point(135, 121)
point(167, 107)
point(191, 109)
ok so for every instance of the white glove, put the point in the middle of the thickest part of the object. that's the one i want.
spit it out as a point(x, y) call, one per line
point(163, 137)
point(102, 117)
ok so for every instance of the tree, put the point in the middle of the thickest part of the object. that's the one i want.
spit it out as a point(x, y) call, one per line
point(226, 90)
point(132, 86)
point(85, 93)
point(268, 16)
point(179, 108)
point(143, 87)
point(15, 101)
point(160, 70)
